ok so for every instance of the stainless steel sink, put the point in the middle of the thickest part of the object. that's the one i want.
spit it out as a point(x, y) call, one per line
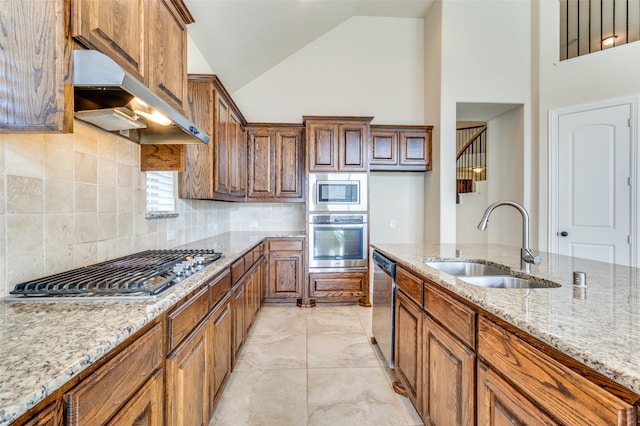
point(507, 282)
point(466, 269)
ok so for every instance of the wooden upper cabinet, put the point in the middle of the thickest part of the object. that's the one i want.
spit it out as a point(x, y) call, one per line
point(337, 144)
point(275, 163)
point(400, 148)
point(116, 28)
point(217, 171)
point(168, 51)
point(238, 156)
point(35, 72)
point(353, 148)
point(148, 38)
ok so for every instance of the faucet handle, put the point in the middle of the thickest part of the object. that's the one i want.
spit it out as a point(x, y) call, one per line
point(528, 257)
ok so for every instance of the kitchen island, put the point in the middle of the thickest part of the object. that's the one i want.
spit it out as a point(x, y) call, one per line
point(598, 327)
point(47, 345)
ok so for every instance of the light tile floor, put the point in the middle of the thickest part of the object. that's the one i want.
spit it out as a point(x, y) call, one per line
point(312, 367)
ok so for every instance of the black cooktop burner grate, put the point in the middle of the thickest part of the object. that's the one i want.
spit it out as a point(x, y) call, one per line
point(140, 274)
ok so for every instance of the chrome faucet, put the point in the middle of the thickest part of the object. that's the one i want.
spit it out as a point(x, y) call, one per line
point(526, 257)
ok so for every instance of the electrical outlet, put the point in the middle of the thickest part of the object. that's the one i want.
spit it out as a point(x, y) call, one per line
point(171, 235)
point(392, 223)
point(253, 224)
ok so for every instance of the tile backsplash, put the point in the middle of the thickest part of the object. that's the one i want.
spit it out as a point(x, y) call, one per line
point(70, 200)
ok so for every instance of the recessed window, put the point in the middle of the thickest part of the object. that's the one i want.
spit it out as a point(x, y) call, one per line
point(588, 26)
point(161, 199)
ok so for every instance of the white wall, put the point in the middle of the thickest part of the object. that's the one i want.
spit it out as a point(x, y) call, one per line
point(432, 95)
point(397, 196)
point(366, 66)
point(505, 163)
point(468, 213)
point(609, 74)
point(485, 57)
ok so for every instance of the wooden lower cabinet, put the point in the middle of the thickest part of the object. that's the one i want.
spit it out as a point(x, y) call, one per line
point(286, 270)
point(145, 408)
point(567, 396)
point(499, 404)
point(188, 381)
point(49, 416)
point(238, 310)
point(123, 378)
point(448, 377)
point(408, 348)
point(220, 325)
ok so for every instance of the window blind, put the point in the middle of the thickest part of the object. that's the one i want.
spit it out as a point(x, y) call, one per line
point(160, 192)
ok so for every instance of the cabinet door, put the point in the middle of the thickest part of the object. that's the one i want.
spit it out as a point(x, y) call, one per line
point(353, 156)
point(238, 310)
point(238, 157)
point(449, 379)
point(408, 348)
point(261, 163)
point(322, 142)
point(220, 348)
point(288, 164)
point(499, 404)
point(116, 28)
point(196, 181)
point(168, 53)
point(249, 302)
point(285, 274)
point(145, 408)
point(35, 74)
point(384, 149)
point(222, 148)
point(188, 384)
point(415, 150)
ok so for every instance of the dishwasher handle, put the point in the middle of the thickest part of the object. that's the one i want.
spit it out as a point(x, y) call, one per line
point(387, 265)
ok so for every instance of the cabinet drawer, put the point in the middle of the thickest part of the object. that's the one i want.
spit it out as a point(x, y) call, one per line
point(561, 392)
point(237, 270)
point(341, 284)
point(248, 260)
point(409, 284)
point(285, 245)
point(258, 252)
point(219, 287)
point(457, 318)
point(183, 319)
point(104, 392)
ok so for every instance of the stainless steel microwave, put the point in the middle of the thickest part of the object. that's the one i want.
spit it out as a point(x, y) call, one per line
point(338, 192)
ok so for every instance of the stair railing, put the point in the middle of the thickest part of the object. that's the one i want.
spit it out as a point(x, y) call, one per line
point(471, 158)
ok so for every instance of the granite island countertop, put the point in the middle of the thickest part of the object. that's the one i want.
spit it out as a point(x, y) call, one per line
point(599, 327)
point(45, 344)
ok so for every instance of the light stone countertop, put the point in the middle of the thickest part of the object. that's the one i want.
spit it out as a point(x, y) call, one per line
point(45, 344)
point(601, 330)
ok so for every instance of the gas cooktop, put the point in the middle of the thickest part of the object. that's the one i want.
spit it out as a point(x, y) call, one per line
point(137, 276)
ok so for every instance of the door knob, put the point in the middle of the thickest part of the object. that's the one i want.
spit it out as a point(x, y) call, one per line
point(564, 234)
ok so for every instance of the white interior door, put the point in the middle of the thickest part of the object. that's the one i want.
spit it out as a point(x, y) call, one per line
point(594, 197)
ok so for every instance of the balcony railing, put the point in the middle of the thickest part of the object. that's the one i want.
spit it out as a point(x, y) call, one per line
point(588, 26)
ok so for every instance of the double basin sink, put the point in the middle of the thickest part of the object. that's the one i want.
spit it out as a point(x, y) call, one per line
point(482, 275)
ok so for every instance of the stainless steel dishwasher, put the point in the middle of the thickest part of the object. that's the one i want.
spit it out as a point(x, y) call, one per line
point(383, 305)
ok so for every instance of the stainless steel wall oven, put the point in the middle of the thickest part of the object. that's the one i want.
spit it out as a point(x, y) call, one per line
point(337, 241)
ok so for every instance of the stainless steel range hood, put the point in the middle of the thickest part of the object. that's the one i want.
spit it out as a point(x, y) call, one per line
point(107, 96)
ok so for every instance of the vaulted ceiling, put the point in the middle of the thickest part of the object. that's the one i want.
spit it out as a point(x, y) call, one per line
point(241, 39)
